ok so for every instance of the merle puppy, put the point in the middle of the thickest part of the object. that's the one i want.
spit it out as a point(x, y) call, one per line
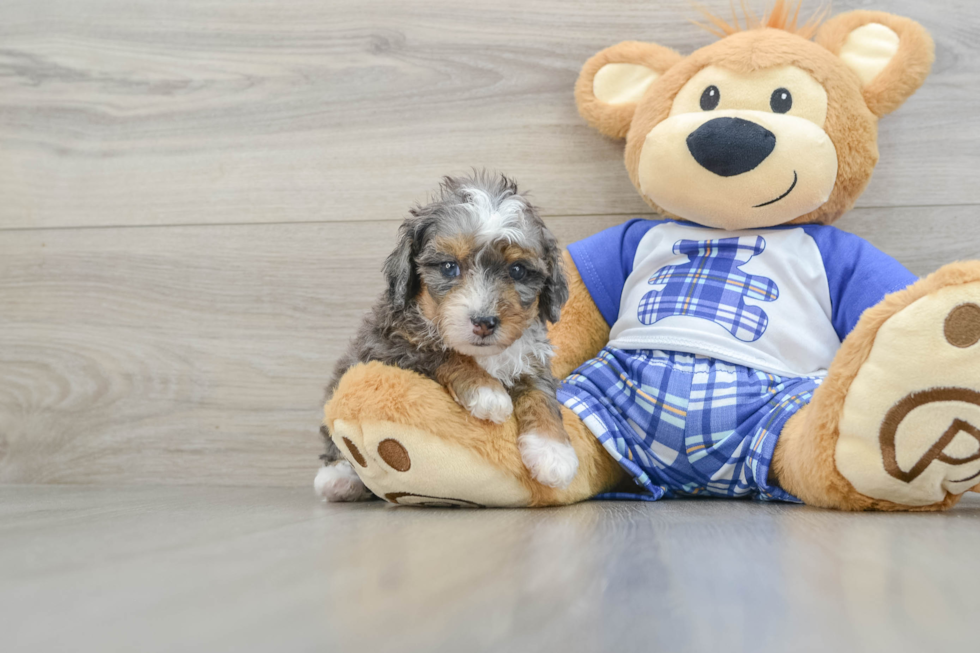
point(472, 283)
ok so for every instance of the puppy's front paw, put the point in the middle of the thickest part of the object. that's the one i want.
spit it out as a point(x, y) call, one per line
point(339, 482)
point(551, 462)
point(490, 403)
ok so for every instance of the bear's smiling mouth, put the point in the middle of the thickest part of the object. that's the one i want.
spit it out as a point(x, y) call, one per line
point(790, 190)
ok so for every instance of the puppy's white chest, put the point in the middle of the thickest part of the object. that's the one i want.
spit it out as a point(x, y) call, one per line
point(506, 367)
point(527, 353)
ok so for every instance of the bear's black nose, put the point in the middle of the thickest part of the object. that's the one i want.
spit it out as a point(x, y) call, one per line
point(730, 146)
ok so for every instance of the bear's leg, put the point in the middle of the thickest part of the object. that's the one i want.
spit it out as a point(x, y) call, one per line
point(896, 423)
point(410, 443)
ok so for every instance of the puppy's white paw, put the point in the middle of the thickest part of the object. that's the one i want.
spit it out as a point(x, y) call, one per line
point(551, 462)
point(339, 482)
point(487, 402)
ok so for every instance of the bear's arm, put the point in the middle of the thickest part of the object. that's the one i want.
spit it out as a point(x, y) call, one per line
point(582, 331)
point(859, 275)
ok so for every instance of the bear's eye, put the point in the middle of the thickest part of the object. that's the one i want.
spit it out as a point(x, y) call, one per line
point(710, 98)
point(781, 100)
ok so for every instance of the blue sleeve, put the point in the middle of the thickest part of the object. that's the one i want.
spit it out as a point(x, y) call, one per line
point(606, 259)
point(859, 274)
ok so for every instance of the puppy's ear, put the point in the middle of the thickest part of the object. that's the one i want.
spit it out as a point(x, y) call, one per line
point(400, 272)
point(891, 55)
point(613, 81)
point(555, 292)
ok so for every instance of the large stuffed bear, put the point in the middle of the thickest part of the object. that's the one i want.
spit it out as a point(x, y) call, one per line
point(742, 346)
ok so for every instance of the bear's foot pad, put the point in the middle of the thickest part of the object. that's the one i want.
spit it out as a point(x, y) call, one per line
point(910, 429)
point(409, 466)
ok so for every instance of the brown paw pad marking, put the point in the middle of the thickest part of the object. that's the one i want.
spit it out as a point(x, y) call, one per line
point(962, 328)
point(393, 453)
point(889, 430)
point(410, 499)
point(355, 453)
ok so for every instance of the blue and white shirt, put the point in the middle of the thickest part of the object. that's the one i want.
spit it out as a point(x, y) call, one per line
point(779, 299)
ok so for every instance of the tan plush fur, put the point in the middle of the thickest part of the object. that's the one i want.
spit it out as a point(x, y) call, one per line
point(850, 124)
point(781, 16)
point(804, 459)
point(614, 120)
point(374, 392)
point(582, 332)
point(852, 110)
point(904, 74)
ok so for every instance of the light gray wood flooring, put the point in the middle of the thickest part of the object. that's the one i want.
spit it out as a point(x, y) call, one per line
point(267, 569)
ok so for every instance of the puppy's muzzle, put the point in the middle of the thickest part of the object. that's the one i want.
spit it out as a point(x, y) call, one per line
point(730, 146)
point(485, 326)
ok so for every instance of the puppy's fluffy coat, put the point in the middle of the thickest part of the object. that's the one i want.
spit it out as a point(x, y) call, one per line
point(473, 282)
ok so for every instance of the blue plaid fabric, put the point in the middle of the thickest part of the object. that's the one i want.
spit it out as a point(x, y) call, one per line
point(683, 424)
point(711, 286)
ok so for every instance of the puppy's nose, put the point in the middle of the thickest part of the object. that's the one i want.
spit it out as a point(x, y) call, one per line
point(730, 146)
point(484, 326)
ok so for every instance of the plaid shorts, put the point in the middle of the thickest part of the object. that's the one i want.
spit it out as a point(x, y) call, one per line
point(683, 424)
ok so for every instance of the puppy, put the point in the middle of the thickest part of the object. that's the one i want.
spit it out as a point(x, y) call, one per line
point(473, 282)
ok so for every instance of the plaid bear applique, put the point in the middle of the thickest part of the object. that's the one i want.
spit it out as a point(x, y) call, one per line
point(712, 286)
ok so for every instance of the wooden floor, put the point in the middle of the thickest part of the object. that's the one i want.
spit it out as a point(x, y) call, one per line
point(267, 569)
point(195, 200)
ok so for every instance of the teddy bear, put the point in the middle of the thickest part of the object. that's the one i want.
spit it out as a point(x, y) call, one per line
point(739, 345)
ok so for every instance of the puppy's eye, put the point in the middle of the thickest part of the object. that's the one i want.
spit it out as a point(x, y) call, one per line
point(517, 271)
point(449, 269)
point(710, 98)
point(781, 100)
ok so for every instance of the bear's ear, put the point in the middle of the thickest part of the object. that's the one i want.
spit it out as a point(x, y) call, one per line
point(613, 81)
point(891, 55)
